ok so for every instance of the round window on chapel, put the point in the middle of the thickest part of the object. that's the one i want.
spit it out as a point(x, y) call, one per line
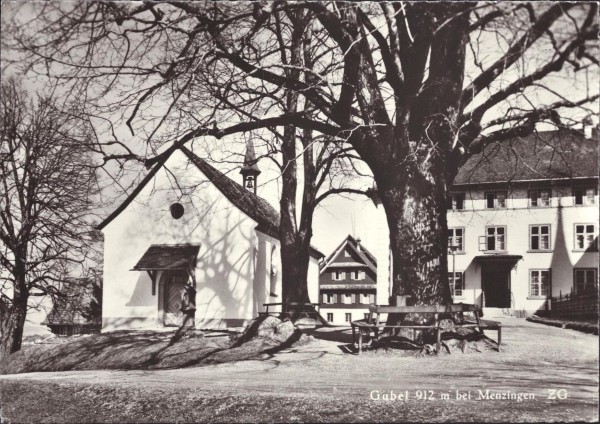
point(177, 210)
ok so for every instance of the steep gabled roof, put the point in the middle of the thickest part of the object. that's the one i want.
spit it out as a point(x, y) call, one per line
point(246, 201)
point(544, 155)
point(252, 205)
point(365, 256)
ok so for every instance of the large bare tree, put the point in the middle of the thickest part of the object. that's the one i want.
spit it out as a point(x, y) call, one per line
point(414, 88)
point(47, 185)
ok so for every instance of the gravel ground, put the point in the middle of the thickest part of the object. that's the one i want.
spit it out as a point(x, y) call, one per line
point(556, 369)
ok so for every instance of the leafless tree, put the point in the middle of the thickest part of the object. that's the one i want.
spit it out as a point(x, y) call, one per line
point(414, 88)
point(47, 185)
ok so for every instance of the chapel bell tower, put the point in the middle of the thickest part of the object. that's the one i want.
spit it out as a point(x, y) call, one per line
point(250, 170)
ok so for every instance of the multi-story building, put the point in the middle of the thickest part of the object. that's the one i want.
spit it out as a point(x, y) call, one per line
point(522, 224)
point(347, 283)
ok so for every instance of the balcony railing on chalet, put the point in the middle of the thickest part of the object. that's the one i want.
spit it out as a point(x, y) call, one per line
point(583, 304)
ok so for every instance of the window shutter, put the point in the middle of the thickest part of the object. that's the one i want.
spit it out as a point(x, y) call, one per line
point(482, 243)
point(342, 275)
point(372, 298)
point(335, 298)
point(324, 298)
point(362, 275)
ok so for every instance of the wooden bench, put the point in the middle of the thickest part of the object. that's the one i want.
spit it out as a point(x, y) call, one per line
point(374, 324)
point(289, 307)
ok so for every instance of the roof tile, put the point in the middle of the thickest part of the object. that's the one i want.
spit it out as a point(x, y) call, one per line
point(165, 256)
point(544, 155)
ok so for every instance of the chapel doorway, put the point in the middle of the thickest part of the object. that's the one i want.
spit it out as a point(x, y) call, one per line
point(173, 315)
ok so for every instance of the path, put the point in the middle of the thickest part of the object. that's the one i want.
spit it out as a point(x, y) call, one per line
point(535, 359)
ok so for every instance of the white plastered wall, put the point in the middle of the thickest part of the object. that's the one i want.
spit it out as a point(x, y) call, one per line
point(226, 260)
point(517, 218)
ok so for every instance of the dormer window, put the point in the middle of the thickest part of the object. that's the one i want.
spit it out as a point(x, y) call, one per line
point(495, 200)
point(585, 196)
point(456, 201)
point(539, 198)
point(346, 253)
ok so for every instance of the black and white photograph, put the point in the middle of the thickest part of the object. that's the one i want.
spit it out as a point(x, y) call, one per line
point(299, 211)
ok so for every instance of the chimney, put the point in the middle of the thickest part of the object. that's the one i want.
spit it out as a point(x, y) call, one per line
point(588, 127)
point(358, 244)
point(595, 132)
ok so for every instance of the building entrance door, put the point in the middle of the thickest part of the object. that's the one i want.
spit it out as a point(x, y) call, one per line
point(173, 292)
point(495, 282)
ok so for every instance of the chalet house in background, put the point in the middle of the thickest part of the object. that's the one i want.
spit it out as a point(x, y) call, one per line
point(188, 223)
point(78, 311)
point(347, 283)
point(523, 224)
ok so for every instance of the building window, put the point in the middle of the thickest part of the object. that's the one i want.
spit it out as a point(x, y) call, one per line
point(457, 284)
point(357, 275)
point(585, 280)
point(338, 275)
point(456, 201)
point(330, 316)
point(456, 238)
point(539, 282)
point(364, 298)
point(346, 253)
point(584, 196)
point(539, 237)
point(347, 298)
point(585, 237)
point(348, 317)
point(539, 198)
point(327, 297)
point(495, 239)
point(495, 200)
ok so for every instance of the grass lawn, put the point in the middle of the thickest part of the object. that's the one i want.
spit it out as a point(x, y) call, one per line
point(320, 382)
point(136, 350)
point(82, 403)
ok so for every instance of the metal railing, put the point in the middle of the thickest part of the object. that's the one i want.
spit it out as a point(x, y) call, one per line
point(573, 305)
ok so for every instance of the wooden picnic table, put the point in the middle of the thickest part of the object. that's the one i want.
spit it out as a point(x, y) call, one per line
point(374, 324)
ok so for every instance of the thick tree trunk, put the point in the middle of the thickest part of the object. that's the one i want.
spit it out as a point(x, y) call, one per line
point(416, 216)
point(12, 321)
point(412, 185)
point(294, 263)
point(295, 242)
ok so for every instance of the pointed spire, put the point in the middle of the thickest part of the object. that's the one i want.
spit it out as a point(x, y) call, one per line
point(250, 162)
point(250, 169)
